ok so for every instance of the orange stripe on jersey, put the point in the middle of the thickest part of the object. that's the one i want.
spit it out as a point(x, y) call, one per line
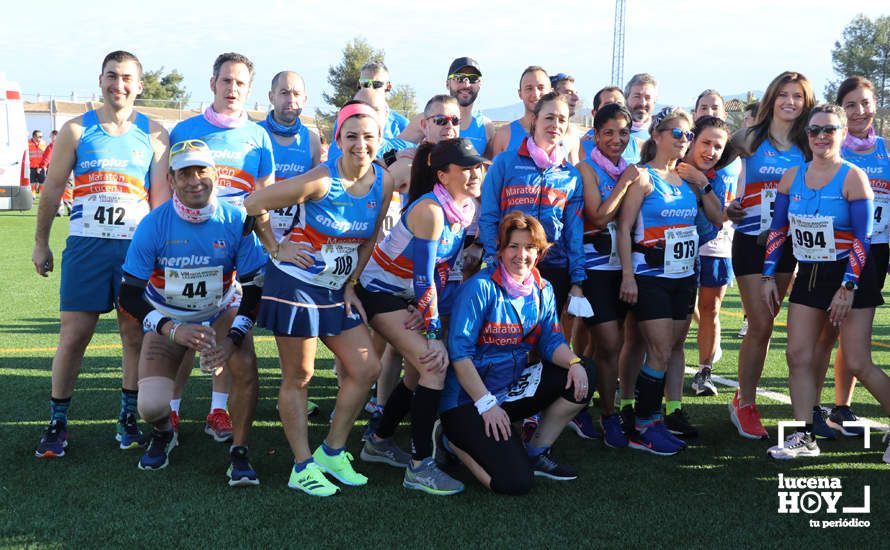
point(157, 278)
point(316, 238)
point(235, 178)
point(752, 192)
point(655, 235)
point(109, 182)
point(400, 267)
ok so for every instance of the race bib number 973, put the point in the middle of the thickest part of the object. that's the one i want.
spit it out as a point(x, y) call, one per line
point(680, 249)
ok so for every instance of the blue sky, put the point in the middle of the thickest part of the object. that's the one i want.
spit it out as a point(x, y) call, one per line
point(687, 45)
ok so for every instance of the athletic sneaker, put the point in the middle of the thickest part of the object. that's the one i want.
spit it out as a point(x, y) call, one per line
point(219, 425)
point(427, 477)
point(174, 421)
point(240, 472)
point(583, 425)
point(339, 466)
point(656, 440)
point(743, 330)
point(128, 433)
point(678, 424)
point(613, 433)
point(441, 451)
point(545, 466)
point(312, 481)
point(746, 419)
point(157, 456)
point(821, 429)
point(795, 445)
point(384, 451)
point(702, 384)
point(54, 440)
point(840, 414)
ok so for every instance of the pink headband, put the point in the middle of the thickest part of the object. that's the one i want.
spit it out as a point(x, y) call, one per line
point(354, 109)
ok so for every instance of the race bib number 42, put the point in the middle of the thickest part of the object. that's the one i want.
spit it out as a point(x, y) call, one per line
point(813, 238)
point(193, 289)
point(680, 249)
point(339, 262)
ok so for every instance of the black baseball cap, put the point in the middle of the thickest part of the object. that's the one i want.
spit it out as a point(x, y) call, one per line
point(455, 151)
point(462, 62)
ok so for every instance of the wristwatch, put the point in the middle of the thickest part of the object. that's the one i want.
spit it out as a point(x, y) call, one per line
point(851, 286)
point(707, 189)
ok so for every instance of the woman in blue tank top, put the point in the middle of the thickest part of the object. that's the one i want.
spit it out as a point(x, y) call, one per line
point(601, 172)
point(658, 245)
point(826, 207)
point(309, 291)
point(865, 149)
point(775, 143)
point(412, 263)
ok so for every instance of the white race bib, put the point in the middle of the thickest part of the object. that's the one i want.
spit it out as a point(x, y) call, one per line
point(680, 249)
point(767, 207)
point(107, 216)
point(340, 260)
point(527, 384)
point(813, 238)
point(613, 234)
point(882, 212)
point(195, 288)
point(283, 218)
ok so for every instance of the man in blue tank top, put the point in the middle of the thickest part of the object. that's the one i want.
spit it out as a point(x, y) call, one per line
point(641, 93)
point(296, 147)
point(533, 84)
point(119, 158)
point(463, 83)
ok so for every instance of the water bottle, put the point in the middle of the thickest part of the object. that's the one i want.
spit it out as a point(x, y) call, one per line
point(206, 366)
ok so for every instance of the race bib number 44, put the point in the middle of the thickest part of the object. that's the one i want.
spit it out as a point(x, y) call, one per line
point(339, 262)
point(109, 218)
point(193, 289)
point(680, 249)
point(882, 212)
point(813, 238)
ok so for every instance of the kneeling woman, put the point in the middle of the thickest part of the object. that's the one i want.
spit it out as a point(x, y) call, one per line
point(309, 294)
point(179, 280)
point(506, 311)
point(827, 207)
point(413, 262)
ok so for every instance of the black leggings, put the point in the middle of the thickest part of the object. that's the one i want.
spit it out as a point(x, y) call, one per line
point(506, 461)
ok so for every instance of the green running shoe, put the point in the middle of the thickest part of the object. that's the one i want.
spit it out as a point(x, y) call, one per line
point(339, 466)
point(312, 481)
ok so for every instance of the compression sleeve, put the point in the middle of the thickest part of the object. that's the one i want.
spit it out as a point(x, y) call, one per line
point(862, 213)
point(778, 232)
point(130, 297)
point(574, 234)
point(424, 255)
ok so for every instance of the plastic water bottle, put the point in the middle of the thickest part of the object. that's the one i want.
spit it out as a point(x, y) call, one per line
point(206, 367)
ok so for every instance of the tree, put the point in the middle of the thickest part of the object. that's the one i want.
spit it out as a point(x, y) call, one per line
point(344, 77)
point(163, 90)
point(403, 100)
point(864, 49)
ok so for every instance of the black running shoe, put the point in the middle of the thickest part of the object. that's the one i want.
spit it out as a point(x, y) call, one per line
point(545, 466)
point(678, 424)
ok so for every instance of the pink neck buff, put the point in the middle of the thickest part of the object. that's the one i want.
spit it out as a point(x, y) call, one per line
point(854, 143)
point(603, 162)
point(637, 126)
point(541, 158)
point(194, 215)
point(224, 121)
point(514, 288)
point(462, 214)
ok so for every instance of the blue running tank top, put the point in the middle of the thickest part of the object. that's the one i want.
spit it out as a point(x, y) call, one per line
point(476, 132)
point(290, 160)
point(763, 170)
point(517, 134)
point(876, 164)
point(819, 219)
point(592, 258)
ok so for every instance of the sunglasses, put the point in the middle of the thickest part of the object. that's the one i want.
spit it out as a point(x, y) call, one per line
point(368, 83)
point(677, 133)
point(442, 120)
point(829, 130)
point(461, 78)
point(188, 145)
